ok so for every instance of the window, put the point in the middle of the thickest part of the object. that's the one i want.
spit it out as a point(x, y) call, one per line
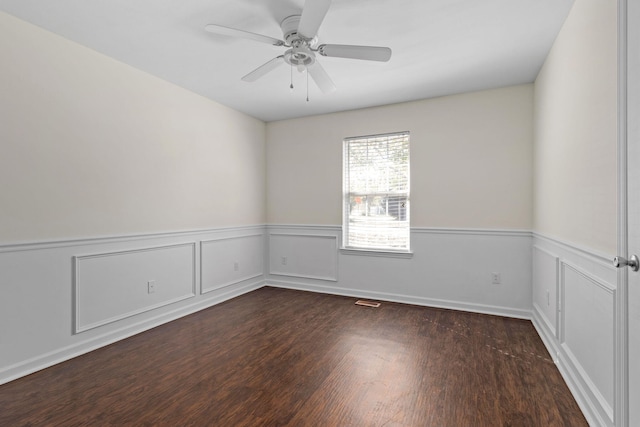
point(376, 193)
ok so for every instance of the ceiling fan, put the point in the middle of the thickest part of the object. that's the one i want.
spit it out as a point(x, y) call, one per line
point(300, 37)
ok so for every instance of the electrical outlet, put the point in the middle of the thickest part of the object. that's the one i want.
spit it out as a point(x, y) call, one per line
point(151, 286)
point(495, 278)
point(236, 266)
point(284, 260)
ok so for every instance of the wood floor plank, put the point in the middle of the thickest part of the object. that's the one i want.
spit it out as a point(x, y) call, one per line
point(277, 357)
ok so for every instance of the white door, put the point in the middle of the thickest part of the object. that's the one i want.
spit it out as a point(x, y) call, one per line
point(628, 370)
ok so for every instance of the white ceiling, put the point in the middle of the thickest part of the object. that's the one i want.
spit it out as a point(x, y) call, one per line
point(440, 47)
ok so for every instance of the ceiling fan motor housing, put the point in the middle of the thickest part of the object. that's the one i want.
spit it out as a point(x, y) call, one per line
point(300, 53)
point(289, 27)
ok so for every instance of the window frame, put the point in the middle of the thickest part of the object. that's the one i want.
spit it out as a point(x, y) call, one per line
point(347, 194)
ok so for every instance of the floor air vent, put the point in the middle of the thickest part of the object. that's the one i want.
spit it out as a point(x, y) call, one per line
point(368, 303)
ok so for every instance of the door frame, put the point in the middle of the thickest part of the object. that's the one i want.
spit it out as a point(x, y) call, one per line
point(621, 345)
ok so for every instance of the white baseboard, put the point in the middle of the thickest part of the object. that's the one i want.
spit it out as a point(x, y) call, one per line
point(404, 299)
point(570, 377)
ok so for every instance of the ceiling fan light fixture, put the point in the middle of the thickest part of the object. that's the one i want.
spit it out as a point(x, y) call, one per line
point(299, 56)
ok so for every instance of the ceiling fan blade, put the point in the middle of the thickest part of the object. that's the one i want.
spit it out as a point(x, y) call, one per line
point(264, 69)
point(369, 53)
point(226, 31)
point(312, 16)
point(320, 76)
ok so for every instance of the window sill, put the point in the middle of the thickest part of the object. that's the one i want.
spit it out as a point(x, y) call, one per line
point(378, 253)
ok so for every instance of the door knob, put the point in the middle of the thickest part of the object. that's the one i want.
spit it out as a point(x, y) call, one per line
point(633, 262)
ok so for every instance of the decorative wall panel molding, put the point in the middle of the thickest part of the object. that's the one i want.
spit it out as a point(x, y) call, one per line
point(306, 255)
point(125, 239)
point(115, 285)
point(230, 260)
point(587, 318)
point(585, 253)
point(449, 268)
point(100, 287)
point(583, 341)
point(38, 279)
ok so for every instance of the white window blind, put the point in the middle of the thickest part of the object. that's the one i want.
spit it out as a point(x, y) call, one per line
point(376, 192)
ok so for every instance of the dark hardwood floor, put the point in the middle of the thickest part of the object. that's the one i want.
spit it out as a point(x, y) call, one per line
point(278, 357)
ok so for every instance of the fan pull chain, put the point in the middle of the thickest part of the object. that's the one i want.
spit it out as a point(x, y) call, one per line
point(291, 85)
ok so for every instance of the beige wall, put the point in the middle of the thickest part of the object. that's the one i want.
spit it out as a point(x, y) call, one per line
point(91, 147)
point(470, 160)
point(575, 130)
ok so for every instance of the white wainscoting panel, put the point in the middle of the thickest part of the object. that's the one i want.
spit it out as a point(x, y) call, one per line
point(583, 344)
point(450, 268)
point(587, 331)
point(230, 260)
point(51, 290)
point(115, 285)
point(545, 287)
point(306, 255)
